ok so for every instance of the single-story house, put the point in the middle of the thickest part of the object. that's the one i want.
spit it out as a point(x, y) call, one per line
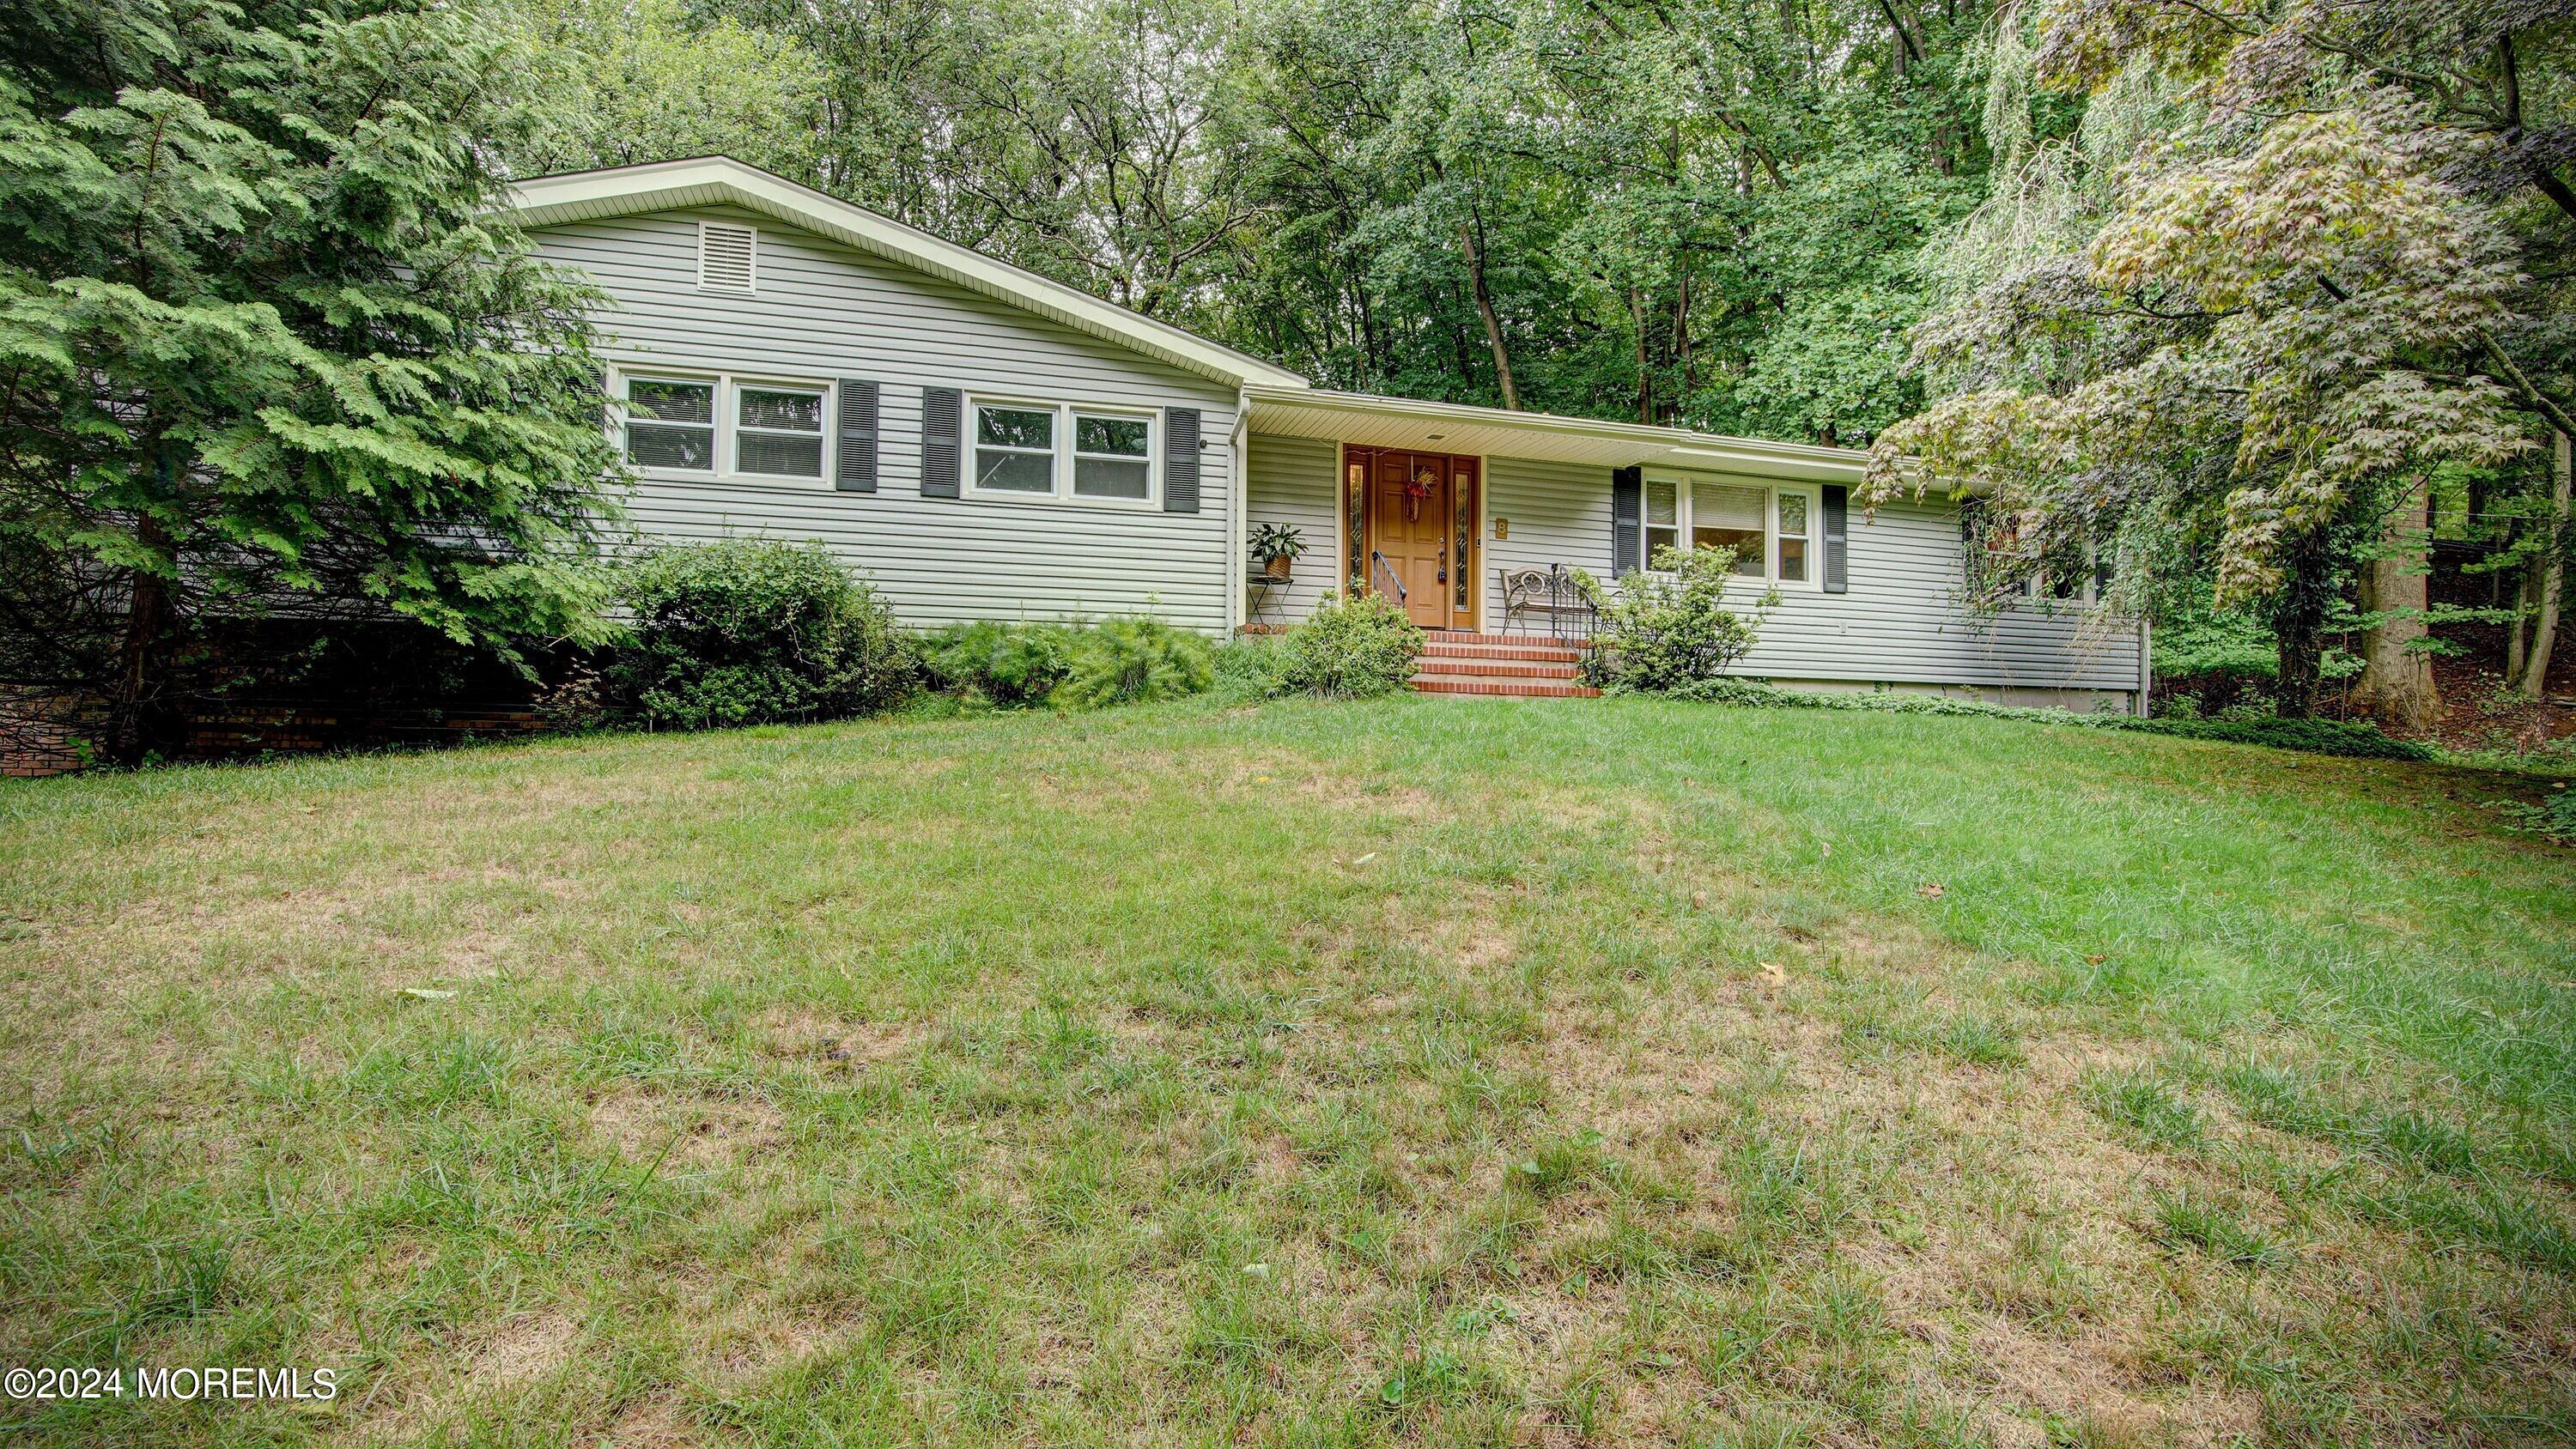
point(987, 444)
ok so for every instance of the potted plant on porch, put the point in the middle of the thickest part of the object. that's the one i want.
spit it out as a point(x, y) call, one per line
point(1275, 546)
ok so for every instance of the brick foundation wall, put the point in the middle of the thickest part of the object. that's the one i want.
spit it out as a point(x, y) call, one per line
point(45, 732)
point(276, 689)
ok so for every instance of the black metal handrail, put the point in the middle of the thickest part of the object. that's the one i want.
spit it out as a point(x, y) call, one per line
point(1379, 565)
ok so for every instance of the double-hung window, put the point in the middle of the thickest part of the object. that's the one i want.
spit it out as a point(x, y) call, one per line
point(723, 426)
point(1790, 550)
point(1663, 518)
point(1014, 449)
point(1064, 451)
point(671, 423)
point(778, 431)
point(1113, 456)
point(1769, 530)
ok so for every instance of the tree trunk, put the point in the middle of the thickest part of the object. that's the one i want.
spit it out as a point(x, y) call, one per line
point(1485, 309)
point(2298, 627)
point(2396, 683)
point(136, 694)
point(2550, 580)
point(1645, 376)
point(2515, 632)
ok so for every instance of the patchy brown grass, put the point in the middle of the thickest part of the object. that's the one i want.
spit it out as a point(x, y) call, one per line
point(1259, 1077)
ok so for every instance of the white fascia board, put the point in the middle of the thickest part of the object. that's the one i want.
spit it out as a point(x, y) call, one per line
point(715, 180)
point(1674, 447)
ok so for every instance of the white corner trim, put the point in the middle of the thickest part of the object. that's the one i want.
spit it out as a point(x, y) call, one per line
point(721, 180)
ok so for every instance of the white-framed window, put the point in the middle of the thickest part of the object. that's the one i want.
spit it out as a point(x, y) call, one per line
point(1064, 451)
point(1015, 449)
point(2087, 583)
point(671, 423)
point(778, 430)
point(1113, 455)
point(722, 425)
point(1791, 520)
point(1771, 529)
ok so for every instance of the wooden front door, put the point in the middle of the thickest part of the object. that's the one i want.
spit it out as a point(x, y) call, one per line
point(1411, 505)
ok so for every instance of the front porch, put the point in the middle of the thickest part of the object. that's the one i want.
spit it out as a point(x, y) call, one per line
point(1475, 520)
point(1440, 505)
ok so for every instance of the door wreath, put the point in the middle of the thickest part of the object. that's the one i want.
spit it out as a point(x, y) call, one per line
point(1417, 488)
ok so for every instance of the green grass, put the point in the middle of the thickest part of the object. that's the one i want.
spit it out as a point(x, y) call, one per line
point(1412, 1072)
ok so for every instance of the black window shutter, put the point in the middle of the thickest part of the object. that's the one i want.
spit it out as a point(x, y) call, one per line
point(854, 469)
point(1837, 539)
point(942, 448)
point(1180, 460)
point(1972, 514)
point(1627, 521)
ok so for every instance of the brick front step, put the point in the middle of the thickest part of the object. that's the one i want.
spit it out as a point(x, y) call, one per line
point(1508, 665)
point(1515, 688)
point(1504, 668)
point(1464, 649)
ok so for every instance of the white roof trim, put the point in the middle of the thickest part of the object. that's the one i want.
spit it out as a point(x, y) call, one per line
point(1369, 420)
point(715, 180)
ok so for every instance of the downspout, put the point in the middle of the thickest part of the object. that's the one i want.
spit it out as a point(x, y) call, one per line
point(1238, 504)
point(2146, 668)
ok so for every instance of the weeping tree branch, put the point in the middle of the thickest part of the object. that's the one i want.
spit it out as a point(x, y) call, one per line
point(2541, 402)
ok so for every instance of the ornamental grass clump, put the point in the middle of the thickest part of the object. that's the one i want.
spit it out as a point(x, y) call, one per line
point(1006, 665)
point(1134, 661)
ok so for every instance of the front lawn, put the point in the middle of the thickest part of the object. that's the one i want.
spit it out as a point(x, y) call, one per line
point(1420, 1071)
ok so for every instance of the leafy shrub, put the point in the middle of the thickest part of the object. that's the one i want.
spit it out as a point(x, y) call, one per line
point(2553, 818)
point(750, 631)
point(1667, 629)
point(1134, 661)
point(2352, 738)
point(1353, 648)
point(1010, 665)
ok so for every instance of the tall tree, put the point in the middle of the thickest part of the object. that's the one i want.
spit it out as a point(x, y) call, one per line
point(261, 345)
point(2303, 297)
point(628, 81)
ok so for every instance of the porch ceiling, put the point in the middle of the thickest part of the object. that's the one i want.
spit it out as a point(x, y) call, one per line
point(1387, 422)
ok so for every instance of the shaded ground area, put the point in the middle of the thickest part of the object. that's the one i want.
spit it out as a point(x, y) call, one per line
point(1423, 1072)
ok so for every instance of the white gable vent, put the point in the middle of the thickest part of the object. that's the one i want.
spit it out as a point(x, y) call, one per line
point(725, 255)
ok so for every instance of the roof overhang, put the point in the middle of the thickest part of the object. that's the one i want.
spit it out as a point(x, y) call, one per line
point(721, 180)
point(1365, 420)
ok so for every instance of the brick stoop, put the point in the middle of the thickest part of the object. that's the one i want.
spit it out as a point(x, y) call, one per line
point(1499, 666)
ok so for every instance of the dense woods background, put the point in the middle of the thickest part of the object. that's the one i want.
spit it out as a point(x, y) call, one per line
point(1698, 213)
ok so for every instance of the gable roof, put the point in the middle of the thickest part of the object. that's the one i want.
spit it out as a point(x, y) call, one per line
point(721, 180)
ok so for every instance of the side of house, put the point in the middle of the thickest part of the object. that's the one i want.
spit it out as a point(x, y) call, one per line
point(980, 442)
